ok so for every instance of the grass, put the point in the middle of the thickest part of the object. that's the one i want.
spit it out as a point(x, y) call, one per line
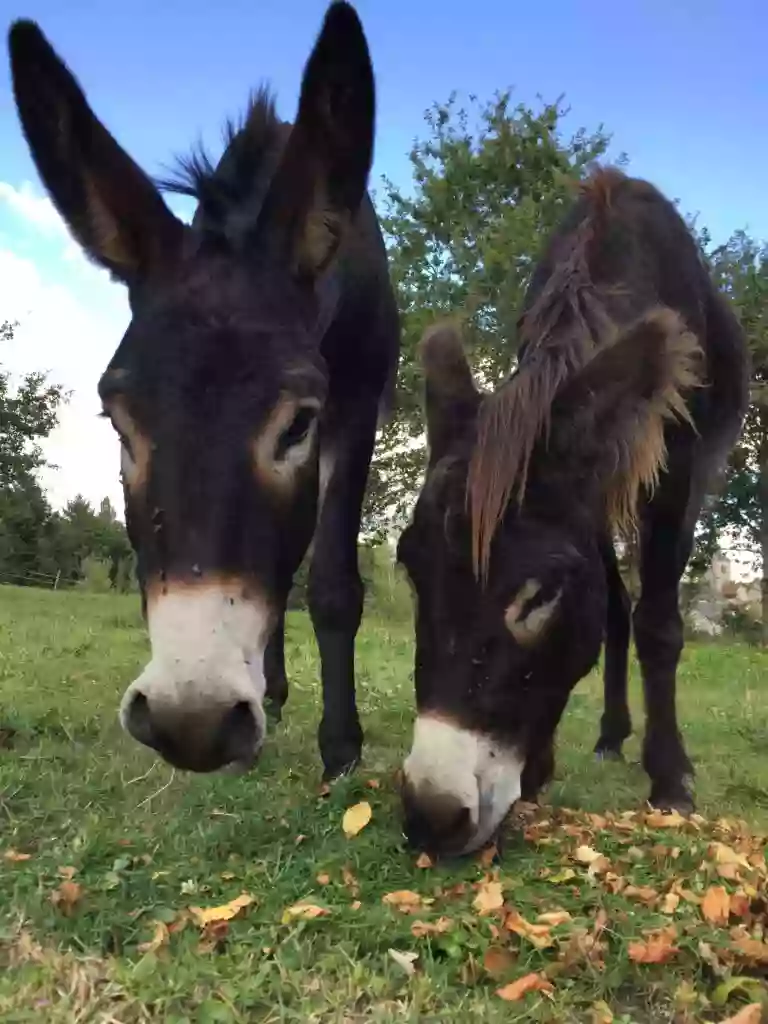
point(142, 844)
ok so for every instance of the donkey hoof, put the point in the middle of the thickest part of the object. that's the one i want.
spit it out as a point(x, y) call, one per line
point(608, 752)
point(339, 771)
point(669, 799)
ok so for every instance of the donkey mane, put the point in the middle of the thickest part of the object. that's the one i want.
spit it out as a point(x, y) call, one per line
point(559, 332)
point(252, 144)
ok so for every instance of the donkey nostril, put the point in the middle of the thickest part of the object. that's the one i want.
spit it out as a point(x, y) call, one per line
point(239, 734)
point(138, 721)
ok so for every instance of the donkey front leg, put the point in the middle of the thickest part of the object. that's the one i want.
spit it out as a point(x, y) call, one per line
point(658, 626)
point(335, 587)
point(616, 723)
point(274, 671)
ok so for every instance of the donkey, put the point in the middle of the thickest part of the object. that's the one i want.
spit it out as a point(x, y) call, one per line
point(246, 391)
point(630, 390)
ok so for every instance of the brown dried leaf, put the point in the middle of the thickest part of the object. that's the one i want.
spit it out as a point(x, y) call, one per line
point(405, 960)
point(350, 881)
point(67, 872)
point(405, 900)
point(67, 896)
point(488, 856)
point(213, 936)
point(528, 983)
point(498, 961)
point(658, 948)
point(554, 917)
point(373, 784)
point(160, 938)
point(643, 893)
point(323, 878)
point(304, 912)
point(489, 898)
point(225, 912)
point(659, 819)
point(716, 905)
point(15, 856)
point(670, 903)
point(425, 861)
point(752, 1014)
point(421, 928)
point(356, 818)
point(753, 951)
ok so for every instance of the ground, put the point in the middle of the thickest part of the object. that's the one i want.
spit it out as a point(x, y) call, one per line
point(104, 852)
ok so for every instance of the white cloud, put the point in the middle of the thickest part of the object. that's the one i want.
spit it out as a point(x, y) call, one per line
point(71, 318)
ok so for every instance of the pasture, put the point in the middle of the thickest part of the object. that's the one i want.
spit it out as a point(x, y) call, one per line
point(103, 852)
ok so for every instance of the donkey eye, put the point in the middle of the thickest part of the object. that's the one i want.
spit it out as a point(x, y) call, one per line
point(297, 431)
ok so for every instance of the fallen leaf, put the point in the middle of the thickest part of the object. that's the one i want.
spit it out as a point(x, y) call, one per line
point(643, 893)
point(660, 819)
point(752, 1014)
point(160, 938)
point(405, 960)
point(670, 903)
point(750, 986)
point(498, 961)
point(488, 856)
point(405, 900)
point(223, 913)
point(299, 840)
point(554, 917)
point(349, 880)
point(323, 878)
point(602, 1013)
point(15, 856)
point(489, 898)
point(304, 912)
point(424, 861)
point(723, 855)
point(356, 818)
point(561, 877)
point(752, 950)
point(355, 905)
point(67, 896)
point(373, 784)
point(214, 934)
point(537, 934)
point(715, 907)
point(67, 872)
point(421, 928)
point(528, 983)
point(658, 948)
point(586, 855)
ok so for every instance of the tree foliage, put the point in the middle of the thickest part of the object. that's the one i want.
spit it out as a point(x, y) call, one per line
point(489, 182)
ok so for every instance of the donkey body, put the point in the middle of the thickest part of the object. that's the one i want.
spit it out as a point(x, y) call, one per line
point(630, 390)
point(262, 347)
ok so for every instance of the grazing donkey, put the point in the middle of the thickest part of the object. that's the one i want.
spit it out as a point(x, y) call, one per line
point(263, 343)
point(630, 390)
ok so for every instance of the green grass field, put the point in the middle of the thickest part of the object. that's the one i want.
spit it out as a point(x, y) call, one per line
point(99, 843)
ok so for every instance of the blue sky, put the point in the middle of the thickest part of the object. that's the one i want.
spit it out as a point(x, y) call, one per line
point(682, 86)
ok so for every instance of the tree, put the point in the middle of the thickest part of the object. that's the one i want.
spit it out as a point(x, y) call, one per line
point(741, 509)
point(490, 182)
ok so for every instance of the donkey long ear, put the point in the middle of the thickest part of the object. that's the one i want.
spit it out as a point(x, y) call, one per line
point(451, 398)
point(109, 204)
point(608, 420)
point(323, 175)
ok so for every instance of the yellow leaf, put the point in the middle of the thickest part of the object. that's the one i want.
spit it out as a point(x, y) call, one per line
point(566, 875)
point(716, 905)
point(670, 903)
point(405, 960)
point(15, 856)
point(424, 861)
point(537, 934)
point(223, 913)
point(602, 1013)
point(160, 938)
point(356, 818)
point(489, 898)
point(554, 917)
point(588, 855)
point(304, 912)
point(658, 819)
point(528, 983)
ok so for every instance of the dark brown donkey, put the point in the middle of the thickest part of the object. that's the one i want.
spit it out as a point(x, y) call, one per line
point(262, 345)
point(630, 390)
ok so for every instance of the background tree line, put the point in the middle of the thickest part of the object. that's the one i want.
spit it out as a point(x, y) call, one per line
point(489, 182)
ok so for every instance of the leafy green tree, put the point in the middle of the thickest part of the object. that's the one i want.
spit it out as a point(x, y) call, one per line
point(489, 182)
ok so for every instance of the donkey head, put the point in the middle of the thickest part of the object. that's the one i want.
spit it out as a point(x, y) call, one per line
point(501, 640)
point(217, 388)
